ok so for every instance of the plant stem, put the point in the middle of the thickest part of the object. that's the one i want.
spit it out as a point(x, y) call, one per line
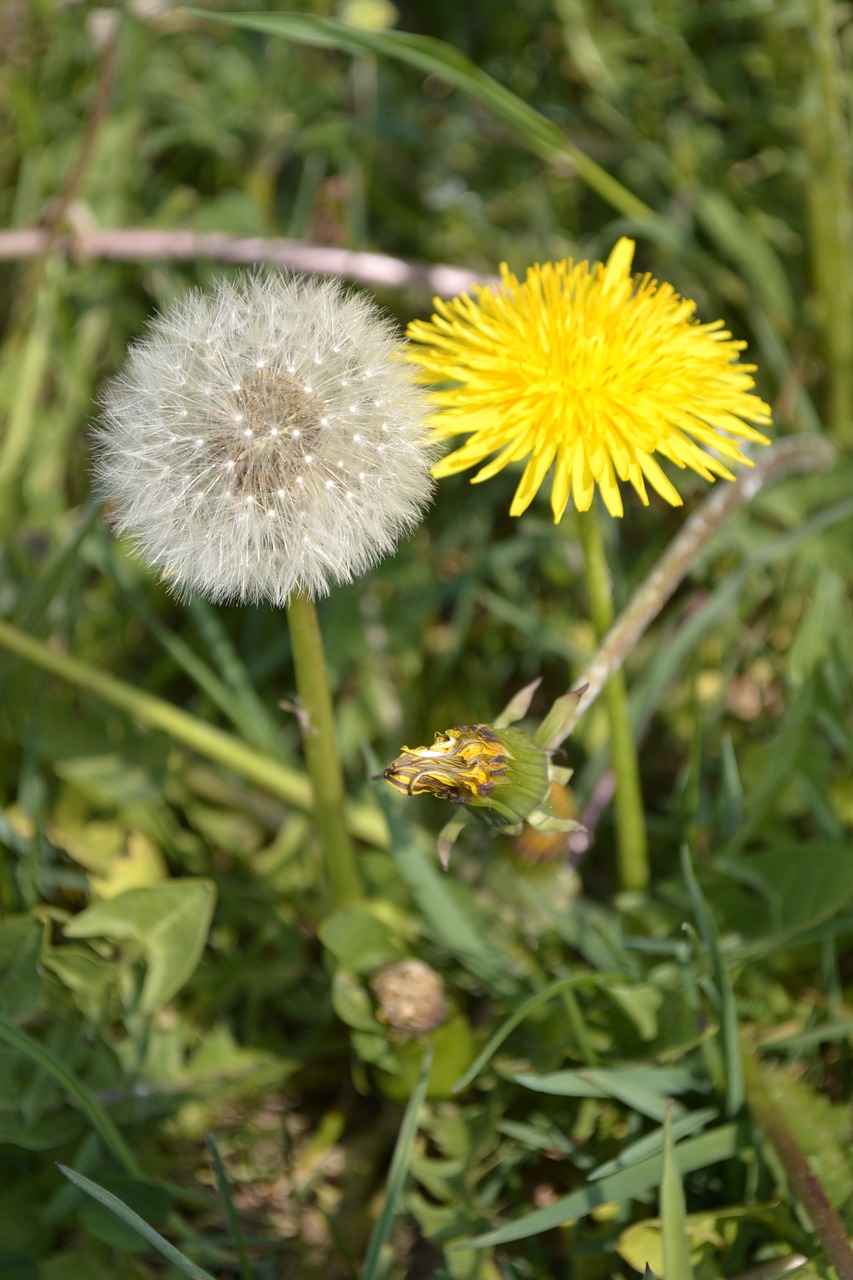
point(802, 453)
point(826, 136)
point(214, 744)
point(321, 749)
point(804, 1182)
point(632, 849)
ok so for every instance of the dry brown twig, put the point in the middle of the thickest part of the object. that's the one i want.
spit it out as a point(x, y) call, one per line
point(143, 244)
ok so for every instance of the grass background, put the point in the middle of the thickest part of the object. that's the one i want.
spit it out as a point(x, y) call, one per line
point(226, 999)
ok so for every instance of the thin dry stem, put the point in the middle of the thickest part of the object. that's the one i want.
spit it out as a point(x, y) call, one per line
point(142, 244)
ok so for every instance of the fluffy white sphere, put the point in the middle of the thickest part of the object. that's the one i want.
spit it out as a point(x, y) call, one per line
point(265, 438)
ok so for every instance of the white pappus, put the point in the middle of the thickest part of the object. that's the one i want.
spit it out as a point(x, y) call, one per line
point(265, 438)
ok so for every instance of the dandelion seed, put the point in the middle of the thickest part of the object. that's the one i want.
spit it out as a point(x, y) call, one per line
point(198, 418)
point(591, 371)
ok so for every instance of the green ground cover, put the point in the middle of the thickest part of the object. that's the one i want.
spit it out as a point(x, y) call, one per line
point(209, 1043)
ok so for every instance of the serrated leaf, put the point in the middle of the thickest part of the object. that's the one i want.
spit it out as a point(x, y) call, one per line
point(169, 923)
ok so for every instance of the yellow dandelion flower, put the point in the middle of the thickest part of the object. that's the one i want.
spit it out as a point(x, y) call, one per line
point(592, 371)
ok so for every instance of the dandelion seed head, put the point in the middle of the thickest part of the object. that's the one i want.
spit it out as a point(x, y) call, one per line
point(231, 409)
point(591, 371)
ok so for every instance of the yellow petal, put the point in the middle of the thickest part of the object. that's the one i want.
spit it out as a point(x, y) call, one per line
point(658, 480)
point(531, 481)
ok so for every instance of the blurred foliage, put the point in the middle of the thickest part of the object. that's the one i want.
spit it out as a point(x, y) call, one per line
point(144, 1025)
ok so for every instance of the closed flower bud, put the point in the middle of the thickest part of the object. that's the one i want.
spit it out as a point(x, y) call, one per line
point(265, 438)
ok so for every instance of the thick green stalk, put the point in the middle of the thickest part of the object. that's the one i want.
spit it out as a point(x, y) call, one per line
point(212, 743)
point(631, 845)
point(321, 749)
point(826, 133)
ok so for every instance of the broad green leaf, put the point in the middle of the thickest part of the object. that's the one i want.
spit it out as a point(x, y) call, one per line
point(20, 948)
point(110, 780)
point(803, 884)
point(711, 1234)
point(44, 1134)
point(361, 940)
point(352, 1003)
point(453, 1047)
point(169, 923)
point(88, 1105)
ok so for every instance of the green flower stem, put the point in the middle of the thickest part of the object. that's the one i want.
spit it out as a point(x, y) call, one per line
point(797, 454)
point(805, 1183)
point(632, 848)
point(214, 744)
point(321, 749)
point(826, 136)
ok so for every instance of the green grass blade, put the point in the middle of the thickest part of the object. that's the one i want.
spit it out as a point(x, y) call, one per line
point(652, 1143)
point(92, 1110)
point(254, 719)
point(397, 1173)
point(133, 1220)
point(231, 1212)
point(637, 1089)
point(722, 1143)
point(212, 743)
point(541, 997)
point(436, 57)
point(729, 1035)
point(676, 1244)
point(54, 574)
point(183, 656)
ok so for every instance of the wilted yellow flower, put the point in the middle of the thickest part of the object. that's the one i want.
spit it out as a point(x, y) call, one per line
point(591, 370)
point(506, 773)
point(501, 774)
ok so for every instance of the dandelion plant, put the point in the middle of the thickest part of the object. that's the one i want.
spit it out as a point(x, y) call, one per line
point(591, 371)
point(264, 441)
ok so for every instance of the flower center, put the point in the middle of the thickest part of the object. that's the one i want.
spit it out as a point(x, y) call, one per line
point(268, 434)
